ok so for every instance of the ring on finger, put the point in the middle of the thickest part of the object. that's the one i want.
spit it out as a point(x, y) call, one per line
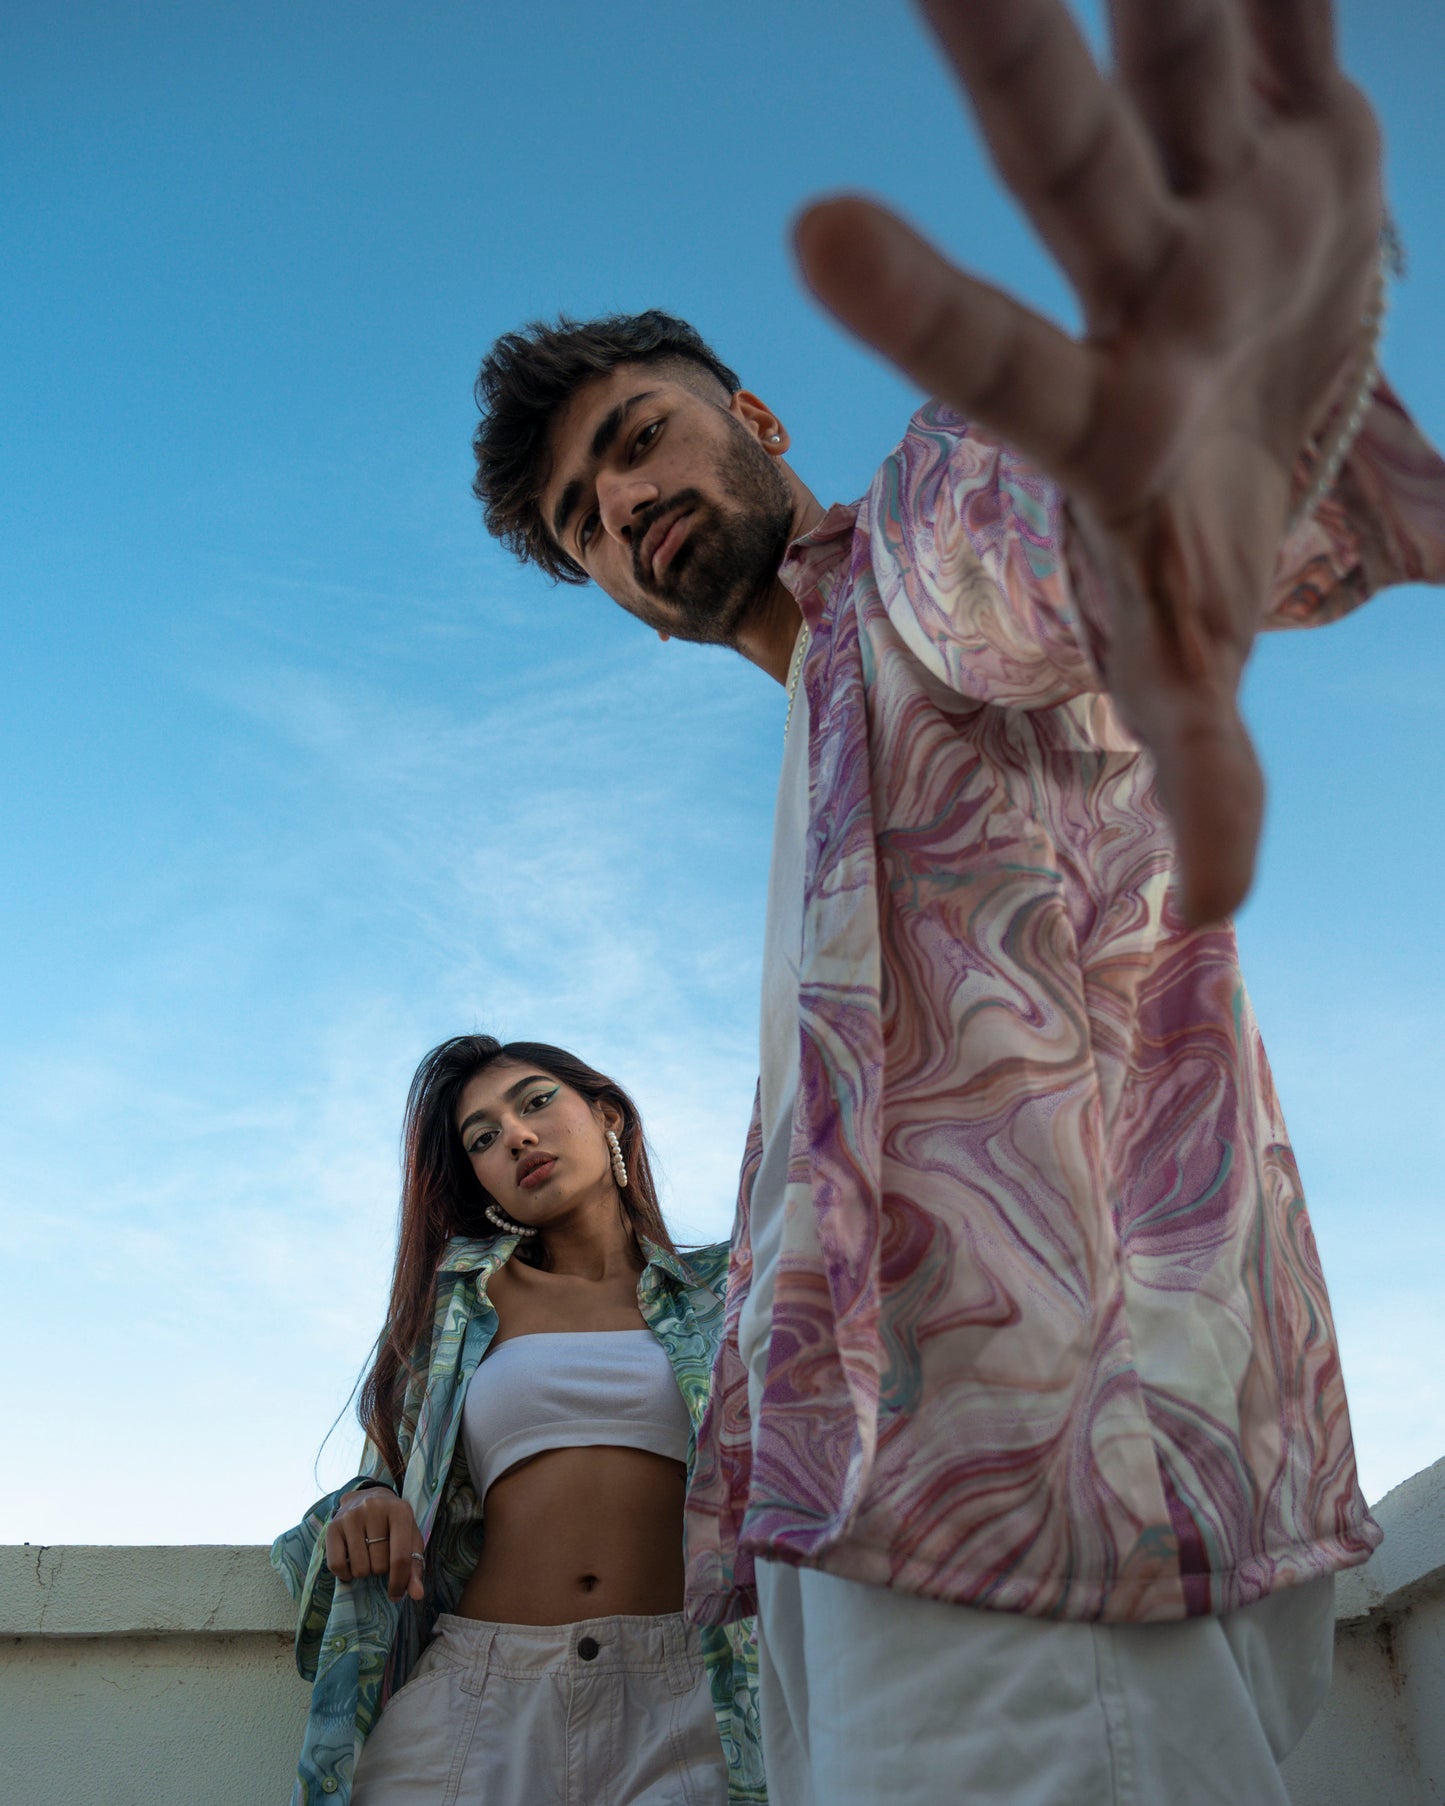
point(418, 1555)
point(376, 1539)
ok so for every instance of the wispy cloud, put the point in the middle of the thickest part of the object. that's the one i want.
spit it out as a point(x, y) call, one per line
point(201, 1177)
point(212, 1184)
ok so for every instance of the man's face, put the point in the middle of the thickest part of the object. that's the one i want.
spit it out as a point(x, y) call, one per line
point(668, 501)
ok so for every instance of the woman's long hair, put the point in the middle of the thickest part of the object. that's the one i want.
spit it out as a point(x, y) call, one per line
point(442, 1197)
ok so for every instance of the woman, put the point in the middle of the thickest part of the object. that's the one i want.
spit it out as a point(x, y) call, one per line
point(529, 1414)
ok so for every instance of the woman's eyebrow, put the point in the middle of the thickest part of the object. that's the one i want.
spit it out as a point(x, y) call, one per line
point(534, 1078)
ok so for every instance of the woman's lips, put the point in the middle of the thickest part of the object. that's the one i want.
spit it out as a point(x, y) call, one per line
point(536, 1175)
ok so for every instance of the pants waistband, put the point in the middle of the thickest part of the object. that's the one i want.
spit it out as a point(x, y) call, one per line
point(665, 1644)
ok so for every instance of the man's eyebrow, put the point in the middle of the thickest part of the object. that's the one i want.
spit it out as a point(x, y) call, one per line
point(566, 502)
point(532, 1078)
point(607, 430)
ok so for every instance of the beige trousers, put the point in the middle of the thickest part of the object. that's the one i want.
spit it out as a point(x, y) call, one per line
point(610, 1712)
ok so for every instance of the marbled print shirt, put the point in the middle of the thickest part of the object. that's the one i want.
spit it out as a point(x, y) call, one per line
point(1056, 1339)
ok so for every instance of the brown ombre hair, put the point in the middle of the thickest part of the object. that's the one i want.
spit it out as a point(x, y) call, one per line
point(442, 1197)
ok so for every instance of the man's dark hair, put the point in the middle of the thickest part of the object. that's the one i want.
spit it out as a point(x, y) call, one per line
point(526, 378)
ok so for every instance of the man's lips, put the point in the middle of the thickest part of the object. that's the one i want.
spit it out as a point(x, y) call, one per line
point(534, 1169)
point(663, 539)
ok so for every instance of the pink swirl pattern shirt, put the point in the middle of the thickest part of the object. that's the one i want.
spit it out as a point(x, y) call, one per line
point(1056, 1340)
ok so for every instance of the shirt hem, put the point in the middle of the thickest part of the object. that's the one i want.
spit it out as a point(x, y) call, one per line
point(1167, 1599)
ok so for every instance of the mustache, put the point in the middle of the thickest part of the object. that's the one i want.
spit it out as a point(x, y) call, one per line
point(643, 525)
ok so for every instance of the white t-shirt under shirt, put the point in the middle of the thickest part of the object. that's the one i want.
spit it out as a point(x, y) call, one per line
point(778, 1038)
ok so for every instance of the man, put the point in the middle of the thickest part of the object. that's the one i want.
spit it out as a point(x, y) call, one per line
point(1028, 1430)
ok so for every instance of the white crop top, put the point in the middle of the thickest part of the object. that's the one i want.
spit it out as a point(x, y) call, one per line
point(569, 1389)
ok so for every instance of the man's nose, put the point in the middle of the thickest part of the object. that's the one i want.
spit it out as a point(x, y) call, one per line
point(621, 498)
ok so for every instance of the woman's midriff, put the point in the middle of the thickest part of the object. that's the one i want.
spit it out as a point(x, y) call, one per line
point(580, 1533)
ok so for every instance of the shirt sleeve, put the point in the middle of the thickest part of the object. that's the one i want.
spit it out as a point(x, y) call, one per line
point(1382, 523)
point(299, 1557)
point(967, 550)
point(968, 545)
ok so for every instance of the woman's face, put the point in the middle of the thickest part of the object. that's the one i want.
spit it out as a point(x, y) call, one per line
point(537, 1146)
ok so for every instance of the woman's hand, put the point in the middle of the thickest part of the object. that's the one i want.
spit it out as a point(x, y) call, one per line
point(374, 1532)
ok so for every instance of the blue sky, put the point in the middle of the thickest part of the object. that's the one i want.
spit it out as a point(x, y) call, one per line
point(298, 775)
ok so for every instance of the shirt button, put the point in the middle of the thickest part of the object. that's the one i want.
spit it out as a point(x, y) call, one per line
point(587, 1648)
point(330, 1784)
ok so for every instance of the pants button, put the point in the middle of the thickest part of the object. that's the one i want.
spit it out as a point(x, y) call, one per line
point(587, 1648)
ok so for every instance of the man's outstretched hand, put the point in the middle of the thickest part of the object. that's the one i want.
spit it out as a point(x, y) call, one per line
point(1215, 203)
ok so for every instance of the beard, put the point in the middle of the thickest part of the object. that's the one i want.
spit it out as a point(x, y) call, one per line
point(725, 567)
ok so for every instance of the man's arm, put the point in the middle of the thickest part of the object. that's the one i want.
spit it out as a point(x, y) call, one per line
point(1216, 205)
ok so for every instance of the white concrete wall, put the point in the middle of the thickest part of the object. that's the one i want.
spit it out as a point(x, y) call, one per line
point(146, 1677)
point(156, 1677)
point(1380, 1740)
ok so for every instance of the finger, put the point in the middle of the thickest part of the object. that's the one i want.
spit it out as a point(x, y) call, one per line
point(1206, 770)
point(337, 1557)
point(955, 337)
point(416, 1585)
point(1174, 664)
point(1213, 792)
point(1294, 43)
point(400, 1566)
point(1067, 142)
point(377, 1544)
point(353, 1528)
point(1183, 63)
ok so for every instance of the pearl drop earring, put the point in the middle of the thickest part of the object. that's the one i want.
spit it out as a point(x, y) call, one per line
point(619, 1165)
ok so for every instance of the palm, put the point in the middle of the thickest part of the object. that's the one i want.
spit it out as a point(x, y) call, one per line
point(1216, 207)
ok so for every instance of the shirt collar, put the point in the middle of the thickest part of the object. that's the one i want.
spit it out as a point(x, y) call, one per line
point(812, 555)
point(484, 1254)
point(672, 1264)
point(473, 1253)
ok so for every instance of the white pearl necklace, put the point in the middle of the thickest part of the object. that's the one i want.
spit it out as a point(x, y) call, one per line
point(795, 671)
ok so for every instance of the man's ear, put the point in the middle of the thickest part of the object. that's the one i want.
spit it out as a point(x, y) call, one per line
point(761, 421)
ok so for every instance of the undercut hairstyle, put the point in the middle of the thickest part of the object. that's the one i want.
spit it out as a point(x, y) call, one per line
point(442, 1197)
point(529, 376)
